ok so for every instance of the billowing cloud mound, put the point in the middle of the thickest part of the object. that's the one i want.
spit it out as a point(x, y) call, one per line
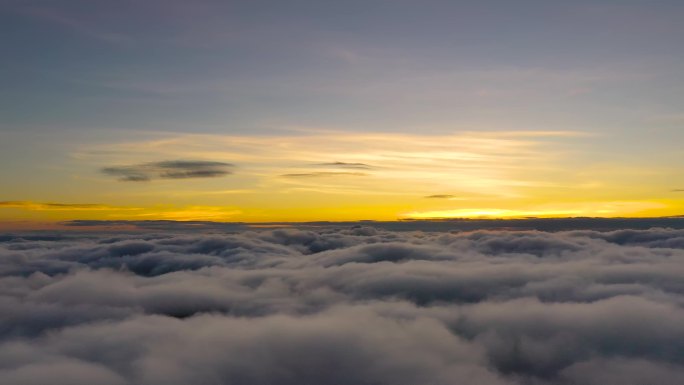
point(170, 169)
point(343, 305)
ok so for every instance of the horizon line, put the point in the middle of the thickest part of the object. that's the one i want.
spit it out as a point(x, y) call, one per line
point(534, 223)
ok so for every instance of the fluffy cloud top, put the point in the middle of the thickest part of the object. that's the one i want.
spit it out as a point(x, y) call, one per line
point(342, 305)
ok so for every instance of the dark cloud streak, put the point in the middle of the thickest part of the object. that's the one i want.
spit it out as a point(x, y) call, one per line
point(172, 169)
point(361, 166)
point(323, 174)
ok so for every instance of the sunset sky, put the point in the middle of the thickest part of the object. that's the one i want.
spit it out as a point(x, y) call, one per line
point(264, 111)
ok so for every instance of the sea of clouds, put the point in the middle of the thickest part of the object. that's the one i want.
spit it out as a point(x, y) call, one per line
point(342, 305)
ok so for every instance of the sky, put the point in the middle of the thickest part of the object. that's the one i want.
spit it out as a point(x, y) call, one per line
point(262, 111)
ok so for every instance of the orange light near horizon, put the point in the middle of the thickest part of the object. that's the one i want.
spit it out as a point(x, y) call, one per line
point(486, 214)
point(606, 209)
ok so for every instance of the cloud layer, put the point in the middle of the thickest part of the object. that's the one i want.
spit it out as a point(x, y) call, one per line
point(342, 305)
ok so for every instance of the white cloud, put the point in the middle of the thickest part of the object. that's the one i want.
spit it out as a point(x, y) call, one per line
point(342, 304)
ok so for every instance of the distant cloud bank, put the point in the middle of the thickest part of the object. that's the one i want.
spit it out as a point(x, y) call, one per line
point(342, 305)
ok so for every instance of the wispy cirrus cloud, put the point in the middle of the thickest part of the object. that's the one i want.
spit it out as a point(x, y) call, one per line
point(170, 169)
point(322, 174)
point(51, 206)
point(433, 176)
point(471, 162)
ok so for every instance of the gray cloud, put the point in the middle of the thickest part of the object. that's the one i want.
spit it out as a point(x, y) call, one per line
point(440, 196)
point(352, 165)
point(340, 304)
point(171, 169)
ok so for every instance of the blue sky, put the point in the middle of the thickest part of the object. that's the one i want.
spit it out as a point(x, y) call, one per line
point(245, 66)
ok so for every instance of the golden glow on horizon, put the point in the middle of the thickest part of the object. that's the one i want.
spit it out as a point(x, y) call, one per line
point(596, 209)
point(34, 212)
point(486, 213)
point(320, 175)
